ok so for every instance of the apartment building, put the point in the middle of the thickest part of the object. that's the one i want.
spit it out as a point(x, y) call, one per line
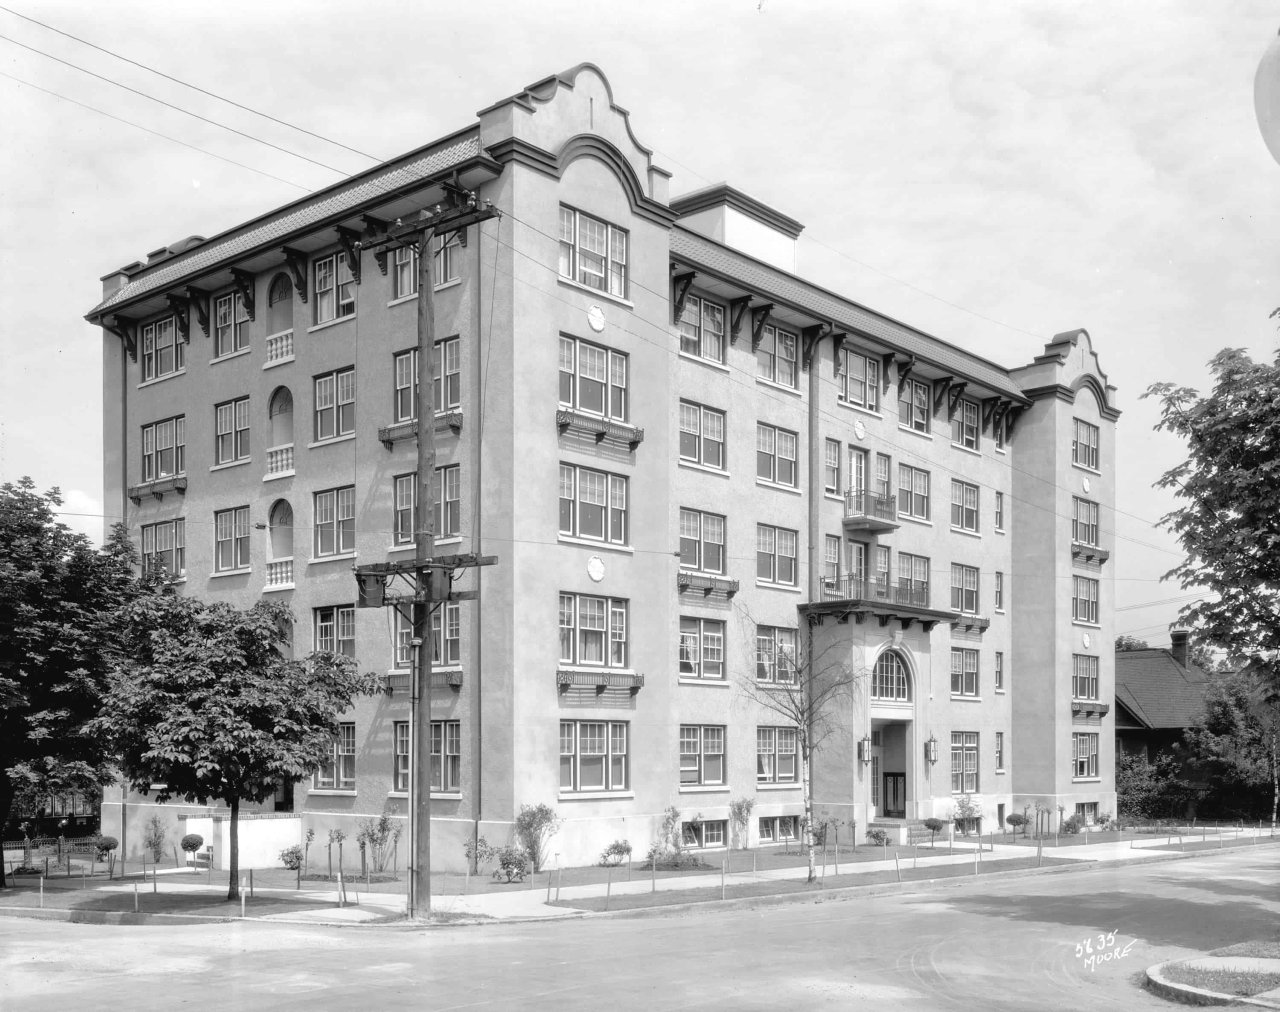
point(693, 466)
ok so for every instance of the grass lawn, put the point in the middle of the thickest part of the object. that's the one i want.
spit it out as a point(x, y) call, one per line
point(1242, 983)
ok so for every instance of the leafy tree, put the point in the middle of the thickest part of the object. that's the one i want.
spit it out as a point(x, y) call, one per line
point(1147, 789)
point(808, 691)
point(1229, 525)
point(58, 596)
point(1125, 643)
point(1237, 747)
point(205, 702)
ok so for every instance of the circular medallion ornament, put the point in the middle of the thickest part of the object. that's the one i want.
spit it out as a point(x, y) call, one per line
point(1084, 484)
point(595, 568)
point(1084, 639)
point(595, 318)
point(859, 429)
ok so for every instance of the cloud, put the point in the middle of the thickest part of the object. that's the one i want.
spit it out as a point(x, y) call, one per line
point(82, 512)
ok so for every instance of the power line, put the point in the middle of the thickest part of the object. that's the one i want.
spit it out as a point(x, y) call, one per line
point(193, 87)
point(170, 105)
point(157, 133)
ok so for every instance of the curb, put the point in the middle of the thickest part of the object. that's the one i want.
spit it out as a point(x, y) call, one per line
point(1187, 994)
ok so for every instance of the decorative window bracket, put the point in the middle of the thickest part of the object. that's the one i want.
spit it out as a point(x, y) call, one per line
point(157, 489)
point(389, 435)
point(600, 681)
point(600, 428)
point(1088, 706)
point(968, 623)
point(1089, 553)
point(707, 584)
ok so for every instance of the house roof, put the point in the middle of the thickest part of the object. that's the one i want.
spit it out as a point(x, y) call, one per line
point(718, 259)
point(1157, 690)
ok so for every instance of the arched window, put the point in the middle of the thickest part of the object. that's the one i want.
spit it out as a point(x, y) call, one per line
point(280, 304)
point(281, 524)
point(890, 680)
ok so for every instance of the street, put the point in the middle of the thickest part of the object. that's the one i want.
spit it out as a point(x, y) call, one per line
point(1068, 941)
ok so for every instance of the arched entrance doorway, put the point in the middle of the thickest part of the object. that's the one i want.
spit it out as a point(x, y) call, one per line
point(892, 719)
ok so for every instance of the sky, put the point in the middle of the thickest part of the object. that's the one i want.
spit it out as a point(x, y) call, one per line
point(992, 174)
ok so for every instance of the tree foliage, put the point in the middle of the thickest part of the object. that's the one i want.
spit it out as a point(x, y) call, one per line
point(1126, 643)
point(205, 702)
point(1229, 525)
point(1147, 789)
point(58, 596)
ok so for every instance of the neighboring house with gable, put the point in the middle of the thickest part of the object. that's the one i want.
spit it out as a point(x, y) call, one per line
point(1159, 694)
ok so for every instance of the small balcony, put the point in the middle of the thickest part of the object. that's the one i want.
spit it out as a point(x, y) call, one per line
point(706, 584)
point(869, 511)
point(389, 435)
point(1089, 707)
point(887, 599)
point(158, 488)
point(1089, 553)
point(881, 590)
point(280, 574)
point(280, 460)
point(600, 681)
point(600, 429)
point(280, 348)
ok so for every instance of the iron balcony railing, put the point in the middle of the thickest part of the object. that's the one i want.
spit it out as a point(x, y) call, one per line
point(879, 590)
point(862, 503)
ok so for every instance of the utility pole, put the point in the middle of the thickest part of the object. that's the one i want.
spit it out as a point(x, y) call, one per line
point(430, 577)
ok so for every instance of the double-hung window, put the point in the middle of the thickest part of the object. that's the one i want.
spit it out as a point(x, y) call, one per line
point(402, 639)
point(702, 435)
point(964, 762)
point(964, 589)
point(776, 455)
point(446, 634)
point(999, 511)
point(913, 492)
point(594, 755)
point(859, 380)
point(593, 631)
point(230, 325)
point(447, 257)
point(593, 252)
point(913, 575)
point(831, 467)
point(964, 672)
point(702, 754)
point(831, 559)
point(593, 505)
point(999, 591)
point(593, 379)
point(335, 629)
point(447, 507)
point(163, 353)
point(446, 378)
point(999, 751)
point(338, 771)
point(404, 272)
point(405, 525)
point(775, 555)
point(965, 426)
point(164, 548)
point(701, 541)
point(1084, 521)
point(335, 521)
point(400, 772)
point(1084, 756)
point(998, 674)
point(446, 756)
point(701, 648)
point(776, 755)
point(702, 329)
point(335, 288)
point(335, 404)
point(775, 655)
point(231, 539)
point(231, 440)
point(164, 448)
point(964, 506)
point(914, 405)
point(1084, 676)
point(1084, 444)
point(1084, 599)
point(776, 357)
point(405, 399)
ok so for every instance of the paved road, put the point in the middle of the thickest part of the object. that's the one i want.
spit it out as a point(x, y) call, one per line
point(1008, 944)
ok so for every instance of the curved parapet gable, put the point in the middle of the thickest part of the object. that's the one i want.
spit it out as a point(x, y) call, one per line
point(1068, 366)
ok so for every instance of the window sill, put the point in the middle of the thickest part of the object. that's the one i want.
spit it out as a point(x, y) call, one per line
point(345, 556)
point(578, 286)
point(1001, 772)
point(708, 362)
point(603, 546)
point(401, 300)
point(777, 486)
point(330, 323)
point(596, 796)
point(1086, 625)
point(226, 358)
point(328, 442)
point(331, 792)
point(1001, 449)
point(915, 520)
point(780, 387)
point(915, 432)
point(788, 587)
point(277, 587)
point(401, 548)
point(231, 572)
point(859, 408)
point(1086, 468)
point(161, 379)
point(777, 787)
point(1086, 780)
point(966, 449)
point(833, 496)
point(277, 361)
point(965, 699)
point(704, 788)
point(231, 463)
point(1000, 692)
point(704, 468)
point(274, 476)
point(999, 530)
point(999, 611)
point(451, 283)
point(717, 683)
point(966, 533)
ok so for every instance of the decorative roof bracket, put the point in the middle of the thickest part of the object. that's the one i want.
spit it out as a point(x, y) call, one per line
point(121, 327)
point(244, 285)
point(737, 309)
point(297, 262)
point(940, 388)
point(809, 338)
point(904, 370)
point(199, 301)
point(957, 392)
point(350, 240)
point(182, 315)
point(682, 283)
point(837, 346)
point(759, 317)
point(988, 411)
point(373, 228)
point(886, 360)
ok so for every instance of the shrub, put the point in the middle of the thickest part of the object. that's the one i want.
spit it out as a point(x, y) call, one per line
point(1015, 820)
point(479, 853)
point(380, 835)
point(1103, 820)
point(291, 857)
point(821, 827)
point(535, 825)
point(105, 845)
point(740, 816)
point(1071, 826)
point(191, 842)
point(877, 836)
point(615, 853)
point(934, 826)
point(512, 863)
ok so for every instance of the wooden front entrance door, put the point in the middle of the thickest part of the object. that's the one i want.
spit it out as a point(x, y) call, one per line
point(895, 795)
